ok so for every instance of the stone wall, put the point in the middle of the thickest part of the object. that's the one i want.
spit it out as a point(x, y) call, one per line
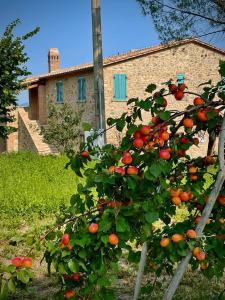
point(70, 95)
point(198, 63)
point(24, 137)
point(12, 140)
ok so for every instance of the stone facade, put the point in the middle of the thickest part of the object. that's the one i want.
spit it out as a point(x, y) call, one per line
point(70, 95)
point(25, 140)
point(198, 61)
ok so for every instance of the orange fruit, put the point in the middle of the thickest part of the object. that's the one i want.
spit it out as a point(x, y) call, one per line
point(93, 228)
point(113, 239)
point(196, 250)
point(209, 160)
point(201, 115)
point(184, 196)
point(176, 200)
point(177, 237)
point(221, 200)
point(111, 169)
point(192, 170)
point(164, 242)
point(188, 123)
point(191, 234)
point(198, 101)
point(200, 255)
point(175, 193)
point(165, 135)
point(193, 177)
point(69, 294)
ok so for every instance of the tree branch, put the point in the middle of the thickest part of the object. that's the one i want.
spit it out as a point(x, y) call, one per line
point(189, 12)
point(140, 271)
point(205, 215)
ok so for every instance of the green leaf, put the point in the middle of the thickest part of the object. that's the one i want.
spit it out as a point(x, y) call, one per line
point(164, 115)
point(131, 182)
point(73, 266)
point(132, 100)
point(111, 121)
point(151, 217)
point(150, 88)
point(121, 224)
point(155, 170)
point(120, 124)
point(82, 265)
point(11, 286)
point(86, 126)
point(82, 253)
point(23, 276)
point(61, 268)
point(104, 239)
point(103, 281)
point(222, 68)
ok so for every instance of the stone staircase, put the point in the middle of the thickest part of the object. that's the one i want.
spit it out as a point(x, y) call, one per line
point(29, 132)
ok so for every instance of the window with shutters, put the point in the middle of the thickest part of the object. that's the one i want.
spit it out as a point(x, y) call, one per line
point(120, 86)
point(81, 89)
point(180, 78)
point(59, 92)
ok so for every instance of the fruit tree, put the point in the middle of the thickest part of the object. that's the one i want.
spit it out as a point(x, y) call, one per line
point(131, 194)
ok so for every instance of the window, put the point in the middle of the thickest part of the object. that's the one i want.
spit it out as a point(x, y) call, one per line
point(81, 89)
point(120, 86)
point(180, 78)
point(59, 97)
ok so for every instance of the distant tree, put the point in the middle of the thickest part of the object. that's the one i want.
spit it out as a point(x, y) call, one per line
point(12, 71)
point(178, 19)
point(64, 128)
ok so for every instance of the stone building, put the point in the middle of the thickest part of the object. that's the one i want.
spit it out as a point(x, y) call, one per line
point(125, 76)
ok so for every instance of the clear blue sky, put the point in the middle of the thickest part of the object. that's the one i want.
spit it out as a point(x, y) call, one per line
point(67, 25)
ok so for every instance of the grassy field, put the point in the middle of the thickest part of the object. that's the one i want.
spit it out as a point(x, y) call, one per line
point(32, 188)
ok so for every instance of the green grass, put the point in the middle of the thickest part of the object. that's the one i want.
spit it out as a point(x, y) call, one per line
point(32, 187)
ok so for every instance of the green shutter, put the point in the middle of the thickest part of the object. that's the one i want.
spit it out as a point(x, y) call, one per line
point(81, 89)
point(180, 78)
point(59, 90)
point(120, 86)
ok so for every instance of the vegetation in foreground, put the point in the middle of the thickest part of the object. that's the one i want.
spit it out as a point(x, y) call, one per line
point(44, 178)
point(32, 187)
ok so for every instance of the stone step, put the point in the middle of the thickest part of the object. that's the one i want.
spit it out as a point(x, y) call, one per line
point(33, 127)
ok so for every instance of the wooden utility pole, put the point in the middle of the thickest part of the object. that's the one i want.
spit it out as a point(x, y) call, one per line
point(98, 66)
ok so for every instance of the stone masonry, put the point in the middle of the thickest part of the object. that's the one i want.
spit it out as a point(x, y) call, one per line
point(197, 60)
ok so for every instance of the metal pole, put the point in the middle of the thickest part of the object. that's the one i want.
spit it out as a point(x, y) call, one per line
point(98, 66)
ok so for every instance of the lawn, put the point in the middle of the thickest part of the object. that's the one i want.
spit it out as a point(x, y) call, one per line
point(32, 188)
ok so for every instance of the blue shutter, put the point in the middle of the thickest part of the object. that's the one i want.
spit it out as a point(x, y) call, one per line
point(180, 78)
point(59, 97)
point(81, 89)
point(120, 87)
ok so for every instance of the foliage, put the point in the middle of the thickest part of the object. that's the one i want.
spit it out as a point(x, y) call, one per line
point(132, 186)
point(12, 66)
point(32, 185)
point(64, 128)
point(178, 19)
point(13, 278)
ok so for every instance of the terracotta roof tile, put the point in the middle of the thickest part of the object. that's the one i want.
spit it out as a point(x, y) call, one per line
point(119, 58)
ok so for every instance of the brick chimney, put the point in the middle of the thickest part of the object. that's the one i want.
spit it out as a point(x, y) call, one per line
point(53, 60)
